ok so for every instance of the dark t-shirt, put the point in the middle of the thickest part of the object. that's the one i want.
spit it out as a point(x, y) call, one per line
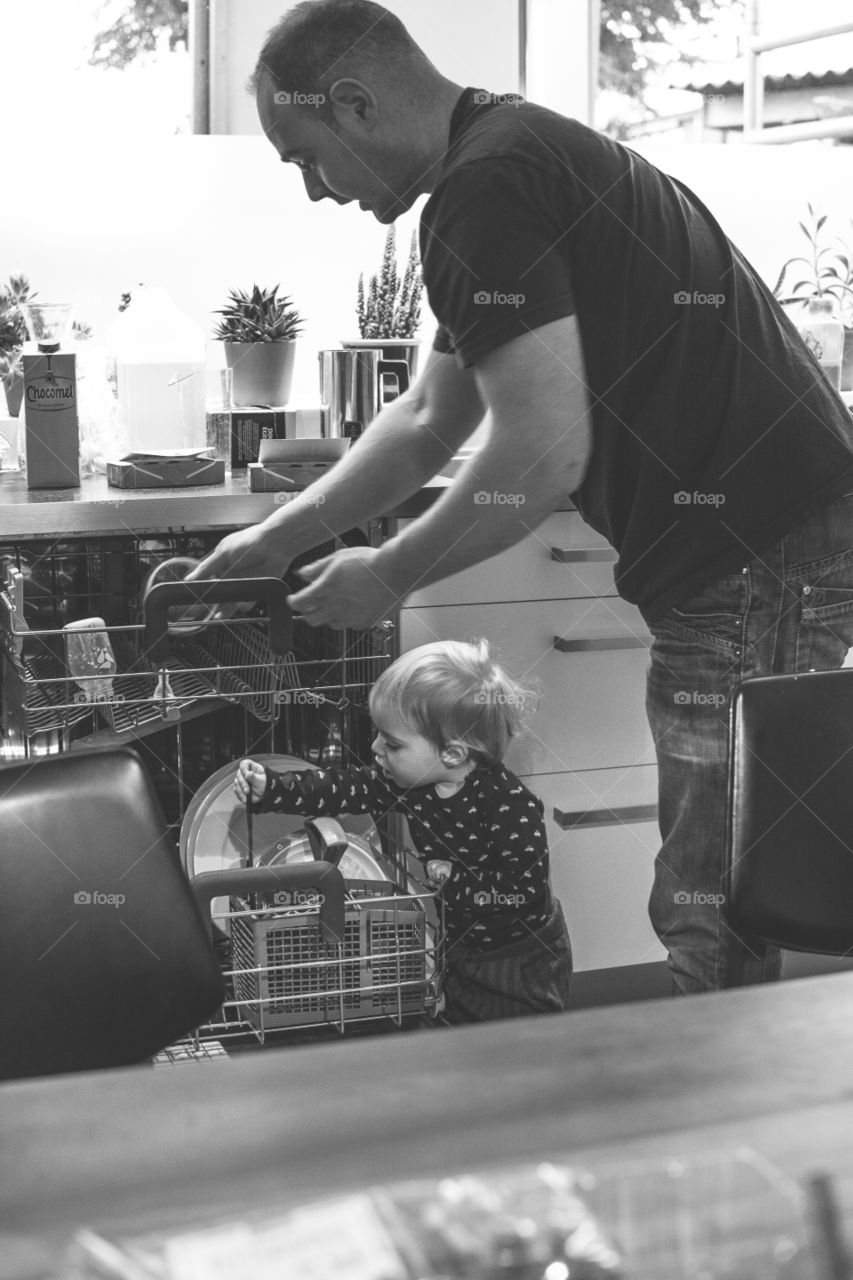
point(714, 430)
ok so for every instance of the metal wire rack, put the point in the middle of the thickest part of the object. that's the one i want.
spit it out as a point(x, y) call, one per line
point(283, 975)
point(229, 660)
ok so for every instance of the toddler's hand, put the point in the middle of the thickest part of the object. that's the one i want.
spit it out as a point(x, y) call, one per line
point(438, 871)
point(251, 780)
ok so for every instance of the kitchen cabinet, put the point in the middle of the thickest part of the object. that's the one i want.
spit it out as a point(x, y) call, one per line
point(550, 611)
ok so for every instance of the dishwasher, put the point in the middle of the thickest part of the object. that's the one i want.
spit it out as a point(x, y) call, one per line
point(195, 695)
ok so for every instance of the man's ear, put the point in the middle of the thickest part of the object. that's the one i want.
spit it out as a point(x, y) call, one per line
point(453, 754)
point(352, 97)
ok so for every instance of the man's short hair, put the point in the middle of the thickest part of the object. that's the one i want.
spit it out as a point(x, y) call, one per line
point(320, 41)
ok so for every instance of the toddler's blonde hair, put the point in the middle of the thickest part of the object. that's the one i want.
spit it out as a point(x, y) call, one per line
point(451, 691)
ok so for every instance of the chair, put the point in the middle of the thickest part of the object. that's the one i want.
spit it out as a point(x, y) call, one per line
point(790, 851)
point(104, 956)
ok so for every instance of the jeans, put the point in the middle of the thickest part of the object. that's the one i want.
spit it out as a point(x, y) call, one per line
point(789, 609)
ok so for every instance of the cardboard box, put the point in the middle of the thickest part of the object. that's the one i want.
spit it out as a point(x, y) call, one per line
point(150, 471)
point(237, 433)
point(294, 464)
point(50, 415)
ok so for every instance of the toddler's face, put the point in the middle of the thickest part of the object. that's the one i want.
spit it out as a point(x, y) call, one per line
point(405, 756)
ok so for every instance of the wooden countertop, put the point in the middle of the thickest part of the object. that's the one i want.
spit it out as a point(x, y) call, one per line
point(770, 1068)
point(95, 509)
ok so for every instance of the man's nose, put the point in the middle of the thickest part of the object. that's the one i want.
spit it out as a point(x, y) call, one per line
point(375, 745)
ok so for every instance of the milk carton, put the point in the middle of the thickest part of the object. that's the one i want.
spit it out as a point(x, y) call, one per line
point(50, 411)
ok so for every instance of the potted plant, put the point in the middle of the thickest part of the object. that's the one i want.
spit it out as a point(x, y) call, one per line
point(258, 331)
point(389, 312)
point(827, 272)
point(13, 335)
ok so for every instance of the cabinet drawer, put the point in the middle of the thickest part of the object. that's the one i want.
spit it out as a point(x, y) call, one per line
point(591, 712)
point(561, 559)
point(603, 875)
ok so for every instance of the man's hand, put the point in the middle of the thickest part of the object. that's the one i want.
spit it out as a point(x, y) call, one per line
point(348, 589)
point(248, 553)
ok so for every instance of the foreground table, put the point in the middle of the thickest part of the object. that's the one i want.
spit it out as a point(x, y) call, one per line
point(138, 1149)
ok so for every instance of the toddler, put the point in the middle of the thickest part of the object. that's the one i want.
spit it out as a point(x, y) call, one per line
point(444, 715)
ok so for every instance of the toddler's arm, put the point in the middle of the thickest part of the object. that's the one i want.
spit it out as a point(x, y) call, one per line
point(316, 793)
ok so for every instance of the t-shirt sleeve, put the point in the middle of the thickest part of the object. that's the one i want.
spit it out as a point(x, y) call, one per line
point(442, 342)
point(326, 793)
point(494, 251)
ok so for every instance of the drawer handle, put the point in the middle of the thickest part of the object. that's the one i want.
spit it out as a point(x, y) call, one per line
point(595, 644)
point(588, 555)
point(606, 817)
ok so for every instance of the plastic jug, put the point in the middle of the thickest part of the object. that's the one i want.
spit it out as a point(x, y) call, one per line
point(160, 373)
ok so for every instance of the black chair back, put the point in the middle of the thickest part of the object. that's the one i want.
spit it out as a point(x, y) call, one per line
point(790, 869)
point(104, 956)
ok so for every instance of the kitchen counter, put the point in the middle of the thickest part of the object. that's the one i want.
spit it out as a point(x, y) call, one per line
point(97, 509)
point(135, 1150)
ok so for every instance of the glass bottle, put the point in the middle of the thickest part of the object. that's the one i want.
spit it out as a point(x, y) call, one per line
point(823, 334)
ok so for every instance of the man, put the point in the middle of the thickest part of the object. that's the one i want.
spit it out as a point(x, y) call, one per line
point(622, 351)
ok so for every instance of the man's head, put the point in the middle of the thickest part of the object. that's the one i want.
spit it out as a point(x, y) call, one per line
point(344, 92)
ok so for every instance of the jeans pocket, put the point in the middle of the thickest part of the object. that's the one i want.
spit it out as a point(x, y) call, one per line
point(825, 627)
point(711, 617)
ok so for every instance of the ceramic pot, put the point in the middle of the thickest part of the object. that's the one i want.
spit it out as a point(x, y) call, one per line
point(261, 372)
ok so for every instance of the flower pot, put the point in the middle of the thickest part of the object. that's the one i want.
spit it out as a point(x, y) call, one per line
point(847, 361)
point(261, 372)
point(14, 393)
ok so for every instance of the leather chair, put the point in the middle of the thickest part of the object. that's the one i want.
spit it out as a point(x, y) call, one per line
point(790, 851)
point(104, 956)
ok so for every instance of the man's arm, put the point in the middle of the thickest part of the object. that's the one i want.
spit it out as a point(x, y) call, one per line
point(536, 454)
point(405, 445)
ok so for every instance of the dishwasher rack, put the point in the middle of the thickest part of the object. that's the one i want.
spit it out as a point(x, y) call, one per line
point(214, 696)
point(287, 968)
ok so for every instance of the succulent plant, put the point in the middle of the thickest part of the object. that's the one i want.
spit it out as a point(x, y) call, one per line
point(392, 307)
point(259, 316)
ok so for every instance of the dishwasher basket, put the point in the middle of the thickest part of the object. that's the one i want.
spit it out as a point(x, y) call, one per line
point(307, 948)
point(161, 674)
